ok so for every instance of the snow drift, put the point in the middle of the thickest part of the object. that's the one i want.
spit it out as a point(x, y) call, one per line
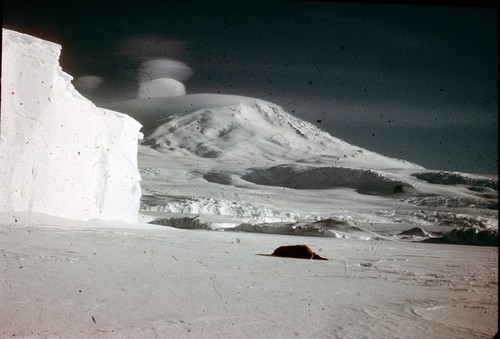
point(59, 153)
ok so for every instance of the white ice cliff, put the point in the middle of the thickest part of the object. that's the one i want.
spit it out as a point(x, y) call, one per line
point(59, 153)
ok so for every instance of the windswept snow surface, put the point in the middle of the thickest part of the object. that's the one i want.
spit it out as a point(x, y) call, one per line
point(59, 153)
point(63, 278)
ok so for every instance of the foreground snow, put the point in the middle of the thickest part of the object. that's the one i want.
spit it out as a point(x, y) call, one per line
point(64, 278)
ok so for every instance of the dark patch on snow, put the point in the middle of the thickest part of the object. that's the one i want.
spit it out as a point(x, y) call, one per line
point(328, 228)
point(468, 236)
point(187, 223)
point(453, 219)
point(206, 151)
point(218, 178)
point(331, 223)
point(486, 189)
point(452, 178)
point(415, 232)
point(304, 177)
point(453, 202)
point(283, 228)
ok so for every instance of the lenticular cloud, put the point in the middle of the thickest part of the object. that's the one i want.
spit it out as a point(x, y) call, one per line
point(161, 78)
point(163, 68)
point(161, 88)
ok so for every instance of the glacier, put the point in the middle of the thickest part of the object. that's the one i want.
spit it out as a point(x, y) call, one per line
point(59, 153)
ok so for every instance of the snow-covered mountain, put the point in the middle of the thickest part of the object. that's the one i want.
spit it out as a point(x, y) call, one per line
point(231, 159)
point(259, 132)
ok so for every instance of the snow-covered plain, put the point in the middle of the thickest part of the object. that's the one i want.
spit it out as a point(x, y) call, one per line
point(64, 278)
point(243, 177)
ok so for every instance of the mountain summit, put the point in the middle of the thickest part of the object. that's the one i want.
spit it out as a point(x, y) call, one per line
point(252, 130)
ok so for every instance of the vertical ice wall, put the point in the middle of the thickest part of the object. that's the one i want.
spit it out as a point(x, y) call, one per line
point(59, 153)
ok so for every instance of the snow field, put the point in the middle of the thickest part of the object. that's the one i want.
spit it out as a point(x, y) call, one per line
point(135, 280)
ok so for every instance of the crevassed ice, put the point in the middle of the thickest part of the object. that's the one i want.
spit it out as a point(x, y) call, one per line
point(219, 207)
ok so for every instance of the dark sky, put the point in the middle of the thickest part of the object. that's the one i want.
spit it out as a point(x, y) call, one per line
point(413, 82)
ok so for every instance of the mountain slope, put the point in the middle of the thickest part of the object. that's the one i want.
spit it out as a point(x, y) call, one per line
point(255, 131)
point(233, 159)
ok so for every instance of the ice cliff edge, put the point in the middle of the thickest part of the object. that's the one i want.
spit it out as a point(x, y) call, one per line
point(59, 153)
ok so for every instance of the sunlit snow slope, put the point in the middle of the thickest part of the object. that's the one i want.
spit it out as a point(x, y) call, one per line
point(238, 128)
point(59, 153)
